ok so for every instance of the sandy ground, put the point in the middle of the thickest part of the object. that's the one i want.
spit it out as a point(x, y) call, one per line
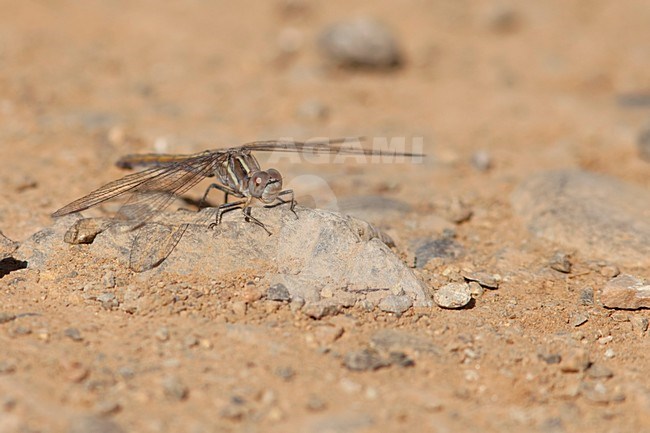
point(536, 84)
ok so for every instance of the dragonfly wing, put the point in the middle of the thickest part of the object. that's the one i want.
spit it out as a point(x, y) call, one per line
point(149, 190)
point(345, 146)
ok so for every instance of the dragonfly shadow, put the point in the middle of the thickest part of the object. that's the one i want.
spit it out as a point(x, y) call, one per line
point(10, 265)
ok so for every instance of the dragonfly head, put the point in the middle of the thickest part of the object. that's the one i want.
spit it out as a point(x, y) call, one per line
point(265, 185)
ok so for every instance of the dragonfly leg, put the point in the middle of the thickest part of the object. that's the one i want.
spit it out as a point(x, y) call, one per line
point(251, 218)
point(227, 191)
point(291, 200)
point(226, 207)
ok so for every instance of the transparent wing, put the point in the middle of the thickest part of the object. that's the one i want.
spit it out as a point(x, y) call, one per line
point(150, 190)
point(346, 146)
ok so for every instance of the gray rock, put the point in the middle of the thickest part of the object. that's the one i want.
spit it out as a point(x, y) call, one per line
point(320, 250)
point(453, 295)
point(626, 292)
point(597, 215)
point(361, 41)
point(395, 304)
point(7, 247)
point(643, 144)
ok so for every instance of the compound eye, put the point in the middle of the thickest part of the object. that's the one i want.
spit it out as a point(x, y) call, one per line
point(274, 175)
point(257, 183)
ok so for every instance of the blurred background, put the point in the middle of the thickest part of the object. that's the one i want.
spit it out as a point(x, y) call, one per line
point(496, 89)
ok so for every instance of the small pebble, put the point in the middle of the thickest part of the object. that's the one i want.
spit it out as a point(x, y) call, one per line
point(73, 334)
point(75, 371)
point(363, 360)
point(278, 292)
point(7, 367)
point(400, 359)
point(84, 231)
point(475, 289)
point(609, 353)
point(481, 160)
point(560, 262)
point(362, 42)
point(286, 373)
point(239, 308)
point(483, 278)
point(605, 340)
point(316, 404)
point(550, 358)
point(599, 371)
point(174, 388)
point(7, 246)
point(162, 334)
point(395, 304)
point(108, 300)
point(586, 296)
point(318, 310)
point(6, 317)
point(639, 324)
point(576, 361)
point(107, 407)
point(326, 334)
point(453, 295)
point(108, 280)
point(579, 319)
point(609, 271)
point(190, 341)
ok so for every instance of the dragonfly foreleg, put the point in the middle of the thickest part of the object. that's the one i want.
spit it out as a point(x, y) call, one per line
point(291, 200)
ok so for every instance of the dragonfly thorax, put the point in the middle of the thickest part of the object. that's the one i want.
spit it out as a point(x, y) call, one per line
point(265, 185)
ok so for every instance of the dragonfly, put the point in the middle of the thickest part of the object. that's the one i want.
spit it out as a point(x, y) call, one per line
point(237, 173)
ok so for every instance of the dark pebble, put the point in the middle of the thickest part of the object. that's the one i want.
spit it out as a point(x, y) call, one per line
point(278, 292)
